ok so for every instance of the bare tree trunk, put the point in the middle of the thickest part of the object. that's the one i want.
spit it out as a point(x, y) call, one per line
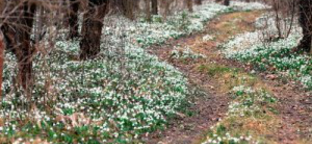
point(226, 2)
point(276, 9)
point(189, 4)
point(1, 62)
point(154, 7)
point(92, 30)
point(148, 10)
point(17, 31)
point(165, 5)
point(73, 19)
point(198, 2)
point(25, 51)
point(127, 7)
point(305, 19)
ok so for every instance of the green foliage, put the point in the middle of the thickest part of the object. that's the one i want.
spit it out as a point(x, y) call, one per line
point(276, 57)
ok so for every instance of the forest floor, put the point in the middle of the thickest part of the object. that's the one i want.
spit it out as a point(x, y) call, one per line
point(286, 120)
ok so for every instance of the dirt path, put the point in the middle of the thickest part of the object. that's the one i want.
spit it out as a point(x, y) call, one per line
point(294, 106)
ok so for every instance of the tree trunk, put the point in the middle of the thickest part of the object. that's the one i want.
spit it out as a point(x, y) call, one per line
point(154, 7)
point(127, 7)
point(73, 19)
point(92, 30)
point(148, 10)
point(165, 5)
point(1, 62)
point(198, 2)
point(17, 33)
point(217, 1)
point(25, 51)
point(305, 20)
point(189, 4)
point(226, 2)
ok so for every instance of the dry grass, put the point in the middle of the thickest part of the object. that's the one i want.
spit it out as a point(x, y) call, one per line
point(234, 24)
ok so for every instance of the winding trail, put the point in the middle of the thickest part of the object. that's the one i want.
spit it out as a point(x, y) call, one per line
point(211, 103)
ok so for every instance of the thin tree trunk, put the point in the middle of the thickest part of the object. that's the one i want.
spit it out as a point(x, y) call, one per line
point(1, 62)
point(227, 2)
point(155, 7)
point(198, 2)
point(73, 19)
point(189, 4)
point(165, 5)
point(25, 51)
point(127, 7)
point(39, 32)
point(293, 14)
point(148, 10)
point(92, 30)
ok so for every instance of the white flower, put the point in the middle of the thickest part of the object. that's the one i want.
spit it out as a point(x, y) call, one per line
point(207, 38)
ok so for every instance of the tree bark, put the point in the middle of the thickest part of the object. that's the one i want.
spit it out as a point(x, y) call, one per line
point(73, 19)
point(1, 62)
point(189, 4)
point(126, 7)
point(17, 32)
point(155, 7)
point(148, 10)
point(226, 2)
point(25, 52)
point(92, 30)
point(198, 2)
point(305, 20)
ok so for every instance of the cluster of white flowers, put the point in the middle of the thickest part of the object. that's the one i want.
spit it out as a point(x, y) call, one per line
point(306, 80)
point(255, 48)
point(243, 6)
point(228, 139)
point(207, 37)
point(247, 102)
point(181, 24)
point(124, 92)
point(243, 89)
point(185, 53)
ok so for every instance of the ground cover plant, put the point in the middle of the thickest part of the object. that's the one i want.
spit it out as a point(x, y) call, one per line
point(251, 111)
point(154, 71)
point(275, 56)
point(123, 93)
